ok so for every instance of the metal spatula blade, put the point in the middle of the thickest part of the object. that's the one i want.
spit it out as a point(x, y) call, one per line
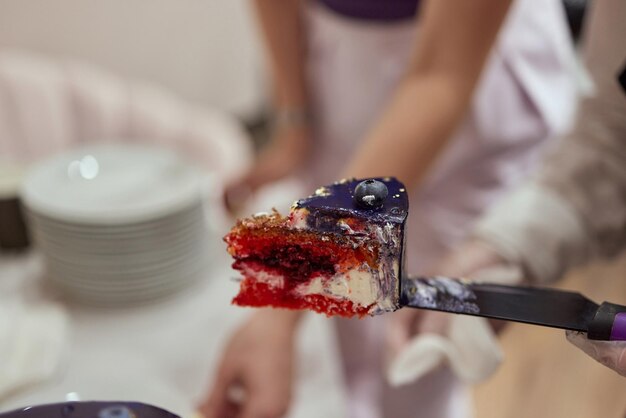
point(531, 305)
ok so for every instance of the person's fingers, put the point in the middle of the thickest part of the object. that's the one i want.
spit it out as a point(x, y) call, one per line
point(218, 404)
point(434, 322)
point(407, 323)
point(228, 410)
point(236, 195)
point(620, 360)
point(266, 402)
point(255, 376)
point(268, 390)
point(611, 354)
point(580, 340)
point(400, 329)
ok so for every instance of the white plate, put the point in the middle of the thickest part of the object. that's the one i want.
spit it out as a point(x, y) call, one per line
point(96, 283)
point(194, 213)
point(127, 264)
point(128, 268)
point(127, 290)
point(111, 184)
point(193, 249)
point(125, 296)
point(98, 246)
point(103, 283)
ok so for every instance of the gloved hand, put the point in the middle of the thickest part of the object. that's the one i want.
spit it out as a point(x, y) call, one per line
point(611, 354)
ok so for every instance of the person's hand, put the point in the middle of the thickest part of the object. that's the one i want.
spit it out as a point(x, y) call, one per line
point(611, 354)
point(255, 375)
point(407, 323)
point(285, 154)
point(468, 259)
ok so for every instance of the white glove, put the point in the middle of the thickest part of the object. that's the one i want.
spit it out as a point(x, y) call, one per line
point(612, 354)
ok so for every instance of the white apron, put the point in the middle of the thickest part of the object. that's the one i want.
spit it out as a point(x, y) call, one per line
point(525, 96)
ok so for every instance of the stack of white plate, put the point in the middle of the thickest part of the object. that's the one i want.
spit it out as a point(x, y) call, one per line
point(118, 224)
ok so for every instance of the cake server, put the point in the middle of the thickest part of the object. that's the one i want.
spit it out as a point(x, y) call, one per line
point(531, 305)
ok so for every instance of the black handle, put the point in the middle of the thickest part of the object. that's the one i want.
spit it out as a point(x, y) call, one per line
point(609, 323)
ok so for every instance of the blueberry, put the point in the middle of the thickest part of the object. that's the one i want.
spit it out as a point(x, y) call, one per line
point(116, 412)
point(370, 194)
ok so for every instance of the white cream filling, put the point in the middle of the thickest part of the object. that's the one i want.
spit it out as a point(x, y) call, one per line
point(356, 285)
point(272, 280)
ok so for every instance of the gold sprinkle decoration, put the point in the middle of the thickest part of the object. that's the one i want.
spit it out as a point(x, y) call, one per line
point(402, 190)
point(322, 191)
point(387, 178)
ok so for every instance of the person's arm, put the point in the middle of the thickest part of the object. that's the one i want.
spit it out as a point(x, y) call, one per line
point(455, 38)
point(281, 26)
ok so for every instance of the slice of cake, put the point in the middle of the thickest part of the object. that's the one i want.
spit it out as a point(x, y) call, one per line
point(339, 252)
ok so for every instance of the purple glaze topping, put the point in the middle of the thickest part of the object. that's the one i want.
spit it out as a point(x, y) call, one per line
point(618, 332)
point(439, 293)
point(337, 201)
point(90, 410)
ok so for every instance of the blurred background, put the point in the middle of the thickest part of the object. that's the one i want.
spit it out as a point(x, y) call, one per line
point(187, 77)
point(205, 51)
